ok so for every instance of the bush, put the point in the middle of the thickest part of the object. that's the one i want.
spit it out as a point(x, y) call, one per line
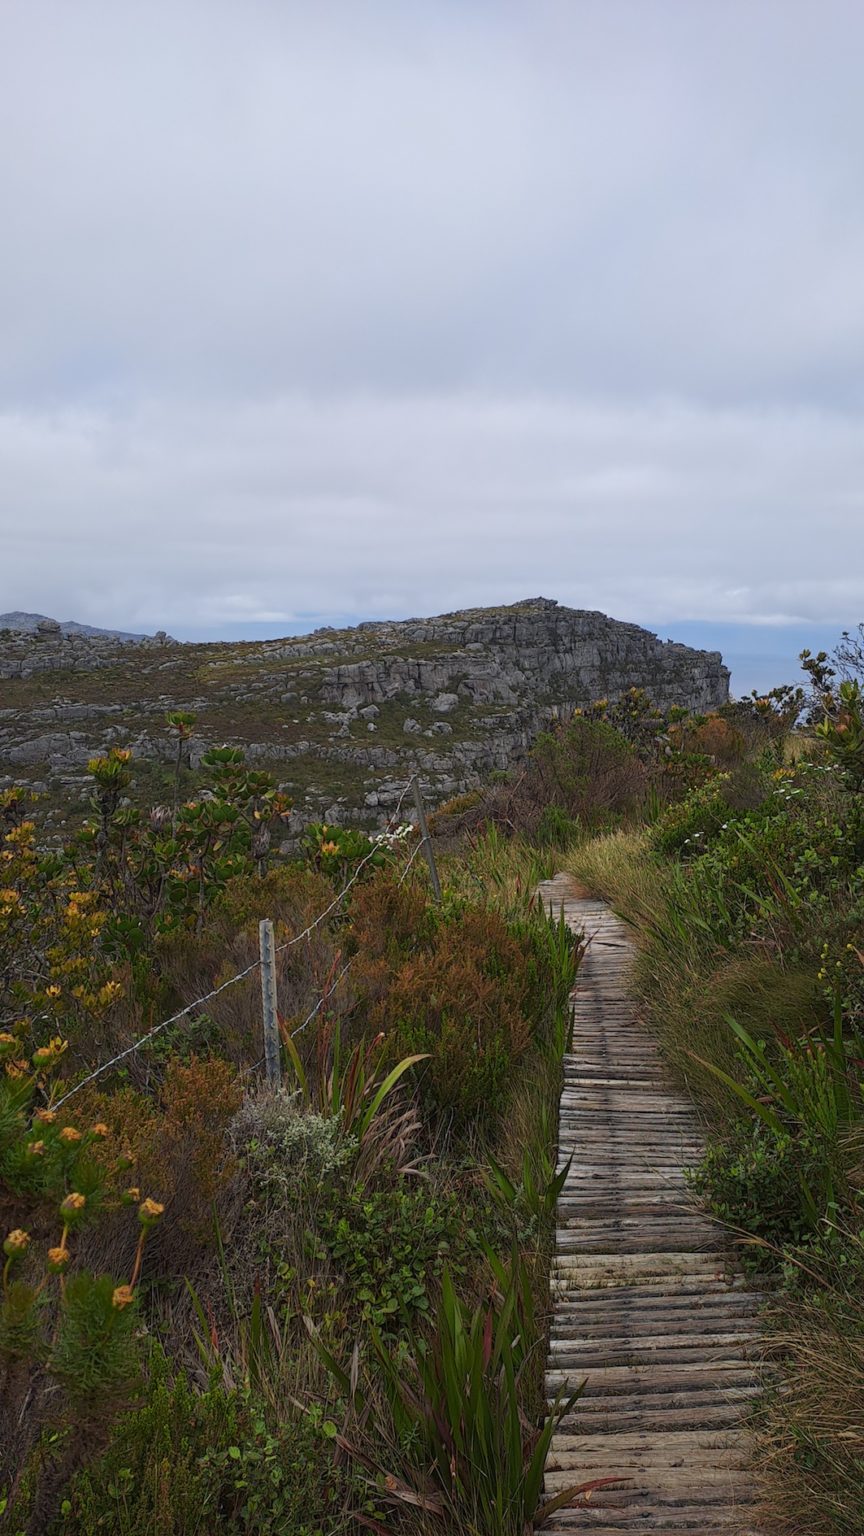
point(687, 828)
point(471, 998)
point(389, 1247)
point(556, 829)
point(286, 1148)
point(754, 1185)
point(588, 769)
point(186, 1463)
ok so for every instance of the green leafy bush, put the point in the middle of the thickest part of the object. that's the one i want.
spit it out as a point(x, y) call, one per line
point(687, 827)
point(187, 1463)
point(390, 1245)
point(754, 1185)
point(340, 851)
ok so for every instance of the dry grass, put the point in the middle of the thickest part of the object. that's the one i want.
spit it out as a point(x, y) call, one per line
point(812, 1442)
point(689, 983)
point(618, 867)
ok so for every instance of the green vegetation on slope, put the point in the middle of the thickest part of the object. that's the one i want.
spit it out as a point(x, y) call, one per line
point(322, 1309)
point(220, 1301)
point(747, 898)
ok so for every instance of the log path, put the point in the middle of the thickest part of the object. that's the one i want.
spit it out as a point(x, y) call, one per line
point(648, 1308)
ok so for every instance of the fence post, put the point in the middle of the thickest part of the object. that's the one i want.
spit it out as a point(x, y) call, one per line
point(272, 1056)
point(427, 841)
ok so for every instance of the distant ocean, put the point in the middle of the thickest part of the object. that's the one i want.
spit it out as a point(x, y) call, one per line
point(759, 655)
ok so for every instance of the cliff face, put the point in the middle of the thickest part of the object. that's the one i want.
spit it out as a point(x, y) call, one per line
point(341, 717)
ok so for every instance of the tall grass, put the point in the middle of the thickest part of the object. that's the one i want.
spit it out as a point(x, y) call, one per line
point(690, 983)
point(505, 870)
point(811, 1436)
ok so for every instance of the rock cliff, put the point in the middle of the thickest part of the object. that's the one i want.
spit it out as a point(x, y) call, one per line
point(343, 716)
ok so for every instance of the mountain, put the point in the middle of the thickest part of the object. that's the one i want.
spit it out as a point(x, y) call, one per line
point(28, 622)
point(341, 717)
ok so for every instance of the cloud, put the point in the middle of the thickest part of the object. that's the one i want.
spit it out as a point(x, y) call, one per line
point(210, 514)
point(389, 308)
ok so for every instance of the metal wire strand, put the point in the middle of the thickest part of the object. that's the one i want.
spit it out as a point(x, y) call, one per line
point(199, 1002)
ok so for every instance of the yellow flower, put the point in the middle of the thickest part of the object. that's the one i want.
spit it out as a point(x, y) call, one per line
point(70, 1135)
point(22, 833)
point(131, 1196)
point(72, 1206)
point(100, 1129)
point(329, 847)
point(48, 1054)
point(149, 1212)
point(58, 1259)
point(45, 1116)
point(16, 1243)
point(17, 1068)
point(122, 1296)
point(9, 897)
point(35, 1148)
point(52, 991)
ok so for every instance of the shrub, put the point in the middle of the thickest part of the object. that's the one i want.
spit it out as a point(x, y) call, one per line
point(468, 1001)
point(461, 983)
point(186, 1463)
point(556, 829)
point(340, 852)
point(286, 1148)
point(389, 1246)
point(686, 828)
point(718, 740)
point(754, 1185)
point(589, 769)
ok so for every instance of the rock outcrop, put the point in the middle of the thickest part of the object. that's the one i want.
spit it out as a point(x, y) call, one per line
point(48, 646)
point(342, 717)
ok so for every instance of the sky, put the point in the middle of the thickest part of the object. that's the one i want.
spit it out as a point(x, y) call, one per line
point(381, 308)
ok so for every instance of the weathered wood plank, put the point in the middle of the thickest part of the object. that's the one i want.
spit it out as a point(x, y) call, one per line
point(649, 1309)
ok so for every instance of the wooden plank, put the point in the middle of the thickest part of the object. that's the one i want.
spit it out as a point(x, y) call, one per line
point(649, 1310)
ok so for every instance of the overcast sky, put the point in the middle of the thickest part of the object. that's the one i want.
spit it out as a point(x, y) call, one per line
point(315, 310)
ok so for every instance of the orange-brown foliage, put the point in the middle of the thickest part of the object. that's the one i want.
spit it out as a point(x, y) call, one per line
point(719, 740)
point(461, 989)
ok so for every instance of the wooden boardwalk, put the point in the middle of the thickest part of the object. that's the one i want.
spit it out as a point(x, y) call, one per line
point(648, 1308)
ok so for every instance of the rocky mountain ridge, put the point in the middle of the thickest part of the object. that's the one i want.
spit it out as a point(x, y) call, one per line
point(342, 717)
point(28, 623)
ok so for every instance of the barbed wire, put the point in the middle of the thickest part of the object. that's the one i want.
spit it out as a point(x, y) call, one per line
point(418, 849)
point(337, 900)
point(231, 981)
point(324, 998)
point(156, 1030)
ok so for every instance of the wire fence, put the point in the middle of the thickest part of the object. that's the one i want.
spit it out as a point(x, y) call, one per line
point(255, 965)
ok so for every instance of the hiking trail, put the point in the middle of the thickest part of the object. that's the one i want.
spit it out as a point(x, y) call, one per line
point(648, 1306)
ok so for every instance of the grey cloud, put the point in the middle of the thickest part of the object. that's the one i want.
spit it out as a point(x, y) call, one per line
point(389, 307)
point(214, 513)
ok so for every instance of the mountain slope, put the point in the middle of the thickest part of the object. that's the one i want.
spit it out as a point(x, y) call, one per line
point(29, 622)
point(341, 716)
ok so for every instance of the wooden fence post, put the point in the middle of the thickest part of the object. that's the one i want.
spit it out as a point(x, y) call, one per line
point(272, 1053)
point(427, 841)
